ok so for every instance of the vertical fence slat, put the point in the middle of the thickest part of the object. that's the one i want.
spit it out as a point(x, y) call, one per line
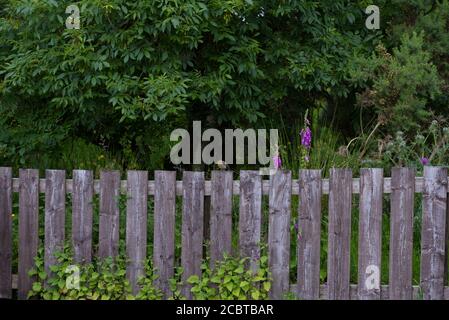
point(250, 219)
point(164, 228)
point(28, 227)
point(54, 216)
point(221, 215)
point(370, 233)
point(136, 226)
point(433, 241)
point(192, 226)
point(82, 200)
point(340, 203)
point(279, 233)
point(401, 233)
point(309, 234)
point(5, 233)
point(109, 214)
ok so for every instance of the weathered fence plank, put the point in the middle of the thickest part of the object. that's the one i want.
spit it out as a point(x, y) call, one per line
point(192, 226)
point(340, 203)
point(250, 219)
point(433, 235)
point(109, 214)
point(82, 211)
point(164, 228)
point(5, 233)
point(370, 233)
point(401, 233)
point(136, 226)
point(279, 233)
point(221, 215)
point(54, 216)
point(28, 228)
point(309, 234)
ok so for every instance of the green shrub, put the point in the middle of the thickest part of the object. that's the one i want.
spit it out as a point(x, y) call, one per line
point(232, 279)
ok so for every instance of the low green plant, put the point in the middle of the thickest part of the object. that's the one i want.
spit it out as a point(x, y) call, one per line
point(99, 280)
point(232, 279)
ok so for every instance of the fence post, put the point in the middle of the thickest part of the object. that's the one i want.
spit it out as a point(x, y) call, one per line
point(5, 233)
point(221, 215)
point(136, 227)
point(28, 228)
point(433, 241)
point(164, 228)
point(309, 234)
point(192, 227)
point(340, 205)
point(250, 220)
point(370, 233)
point(279, 233)
point(54, 216)
point(401, 233)
point(109, 214)
point(82, 198)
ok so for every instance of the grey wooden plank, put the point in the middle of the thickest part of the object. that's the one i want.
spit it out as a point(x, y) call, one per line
point(279, 233)
point(5, 233)
point(370, 234)
point(309, 234)
point(401, 233)
point(82, 215)
point(164, 228)
point(28, 228)
point(250, 219)
point(54, 216)
point(109, 214)
point(221, 215)
point(136, 226)
point(192, 227)
point(339, 235)
point(433, 234)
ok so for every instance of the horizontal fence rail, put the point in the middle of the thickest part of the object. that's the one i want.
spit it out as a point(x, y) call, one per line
point(309, 189)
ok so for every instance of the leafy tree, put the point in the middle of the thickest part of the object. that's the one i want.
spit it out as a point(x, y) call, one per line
point(149, 66)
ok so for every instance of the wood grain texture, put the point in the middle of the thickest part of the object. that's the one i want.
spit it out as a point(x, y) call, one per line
point(82, 215)
point(28, 228)
point(309, 234)
point(109, 214)
point(280, 199)
point(5, 233)
point(192, 227)
point(250, 219)
point(401, 233)
point(221, 215)
point(136, 227)
point(339, 235)
point(164, 228)
point(370, 233)
point(433, 234)
point(54, 216)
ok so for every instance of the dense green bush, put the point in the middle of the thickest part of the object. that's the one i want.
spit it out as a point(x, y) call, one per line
point(106, 280)
point(231, 279)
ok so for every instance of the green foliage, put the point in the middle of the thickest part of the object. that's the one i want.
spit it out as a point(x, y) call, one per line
point(106, 280)
point(232, 279)
point(432, 144)
point(403, 83)
point(137, 70)
point(100, 280)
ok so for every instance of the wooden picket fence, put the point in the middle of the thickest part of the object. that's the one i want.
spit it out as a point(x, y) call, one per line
point(310, 187)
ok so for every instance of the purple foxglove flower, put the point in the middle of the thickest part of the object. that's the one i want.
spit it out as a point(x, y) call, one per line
point(306, 138)
point(425, 161)
point(277, 162)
